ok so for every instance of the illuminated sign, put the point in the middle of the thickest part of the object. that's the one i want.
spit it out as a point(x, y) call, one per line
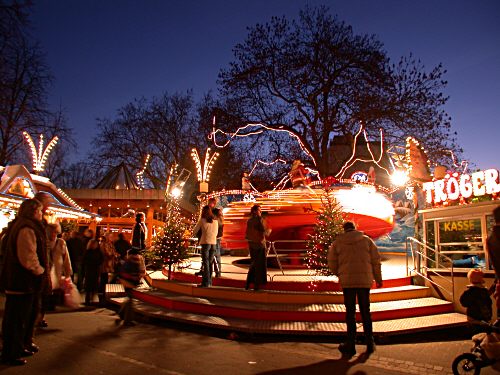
point(359, 176)
point(456, 186)
point(457, 225)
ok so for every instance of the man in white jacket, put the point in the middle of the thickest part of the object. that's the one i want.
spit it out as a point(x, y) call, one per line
point(355, 259)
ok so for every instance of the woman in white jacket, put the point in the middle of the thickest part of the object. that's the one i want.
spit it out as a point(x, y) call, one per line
point(209, 226)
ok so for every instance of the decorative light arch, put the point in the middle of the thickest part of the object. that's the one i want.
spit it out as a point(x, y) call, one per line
point(39, 156)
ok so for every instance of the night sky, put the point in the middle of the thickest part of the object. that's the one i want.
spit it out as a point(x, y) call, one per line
point(105, 53)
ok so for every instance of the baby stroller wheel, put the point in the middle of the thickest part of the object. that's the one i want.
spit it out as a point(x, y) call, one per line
point(466, 363)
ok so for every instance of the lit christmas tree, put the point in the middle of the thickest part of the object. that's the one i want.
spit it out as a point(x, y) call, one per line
point(170, 247)
point(329, 225)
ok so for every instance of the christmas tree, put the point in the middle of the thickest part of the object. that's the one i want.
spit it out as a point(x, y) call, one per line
point(329, 225)
point(170, 247)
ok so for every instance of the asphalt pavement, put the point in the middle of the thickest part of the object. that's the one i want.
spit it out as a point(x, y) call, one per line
point(88, 341)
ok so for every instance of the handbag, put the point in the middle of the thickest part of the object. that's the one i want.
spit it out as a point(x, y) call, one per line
point(72, 298)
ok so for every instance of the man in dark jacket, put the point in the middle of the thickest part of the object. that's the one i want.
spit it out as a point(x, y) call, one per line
point(255, 235)
point(493, 242)
point(493, 247)
point(140, 232)
point(122, 246)
point(355, 259)
point(23, 278)
point(76, 249)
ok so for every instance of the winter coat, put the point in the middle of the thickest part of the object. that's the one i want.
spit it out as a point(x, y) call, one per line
point(26, 239)
point(139, 236)
point(109, 257)
point(76, 249)
point(493, 245)
point(354, 258)
point(476, 299)
point(208, 231)
point(256, 229)
point(61, 264)
point(92, 261)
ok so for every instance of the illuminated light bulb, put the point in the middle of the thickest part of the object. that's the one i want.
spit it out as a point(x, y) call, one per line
point(399, 178)
point(40, 156)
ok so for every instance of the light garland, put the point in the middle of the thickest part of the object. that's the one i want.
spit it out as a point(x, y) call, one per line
point(204, 171)
point(39, 157)
point(260, 129)
point(140, 174)
point(266, 164)
point(409, 142)
point(353, 160)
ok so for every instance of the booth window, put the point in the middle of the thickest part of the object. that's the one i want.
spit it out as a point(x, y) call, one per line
point(461, 240)
point(430, 240)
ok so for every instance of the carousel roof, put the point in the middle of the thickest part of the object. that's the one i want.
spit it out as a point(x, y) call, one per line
point(118, 177)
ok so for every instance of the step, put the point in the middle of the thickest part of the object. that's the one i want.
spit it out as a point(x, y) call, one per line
point(274, 296)
point(334, 312)
point(382, 328)
point(299, 283)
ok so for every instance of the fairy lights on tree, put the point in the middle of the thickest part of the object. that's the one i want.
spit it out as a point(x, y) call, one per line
point(204, 170)
point(170, 247)
point(40, 155)
point(328, 226)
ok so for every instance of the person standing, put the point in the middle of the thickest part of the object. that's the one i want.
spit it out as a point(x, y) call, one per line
point(131, 273)
point(88, 235)
point(92, 261)
point(60, 268)
point(122, 246)
point(76, 250)
point(217, 263)
point(355, 259)
point(108, 264)
point(24, 277)
point(256, 236)
point(493, 248)
point(140, 232)
point(208, 241)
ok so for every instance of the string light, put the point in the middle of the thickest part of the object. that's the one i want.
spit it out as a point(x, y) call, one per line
point(260, 129)
point(410, 141)
point(464, 164)
point(353, 160)
point(39, 157)
point(140, 174)
point(266, 164)
point(204, 171)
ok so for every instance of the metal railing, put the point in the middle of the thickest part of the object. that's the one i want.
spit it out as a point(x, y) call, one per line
point(273, 249)
point(420, 261)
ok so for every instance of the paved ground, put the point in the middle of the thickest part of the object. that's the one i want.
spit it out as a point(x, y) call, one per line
point(89, 342)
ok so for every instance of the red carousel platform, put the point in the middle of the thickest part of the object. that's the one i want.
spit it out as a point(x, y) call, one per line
point(292, 302)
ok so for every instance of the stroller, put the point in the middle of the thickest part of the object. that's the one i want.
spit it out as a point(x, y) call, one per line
point(485, 351)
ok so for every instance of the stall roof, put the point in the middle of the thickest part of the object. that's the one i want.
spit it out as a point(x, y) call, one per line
point(17, 184)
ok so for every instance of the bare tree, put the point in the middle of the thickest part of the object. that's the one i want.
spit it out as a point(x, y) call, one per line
point(164, 128)
point(78, 175)
point(24, 81)
point(315, 79)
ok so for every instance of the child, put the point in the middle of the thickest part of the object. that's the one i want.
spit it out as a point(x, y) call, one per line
point(476, 299)
point(132, 271)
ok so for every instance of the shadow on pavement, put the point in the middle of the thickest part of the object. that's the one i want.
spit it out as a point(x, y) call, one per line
point(338, 366)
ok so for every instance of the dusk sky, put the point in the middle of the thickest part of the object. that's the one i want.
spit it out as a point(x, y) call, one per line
point(105, 53)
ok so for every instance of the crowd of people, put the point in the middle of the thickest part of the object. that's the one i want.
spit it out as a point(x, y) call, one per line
point(38, 262)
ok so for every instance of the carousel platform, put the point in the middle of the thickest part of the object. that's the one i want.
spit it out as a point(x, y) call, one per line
point(293, 301)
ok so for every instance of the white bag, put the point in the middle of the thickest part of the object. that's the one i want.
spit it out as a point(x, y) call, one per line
point(72, 298)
